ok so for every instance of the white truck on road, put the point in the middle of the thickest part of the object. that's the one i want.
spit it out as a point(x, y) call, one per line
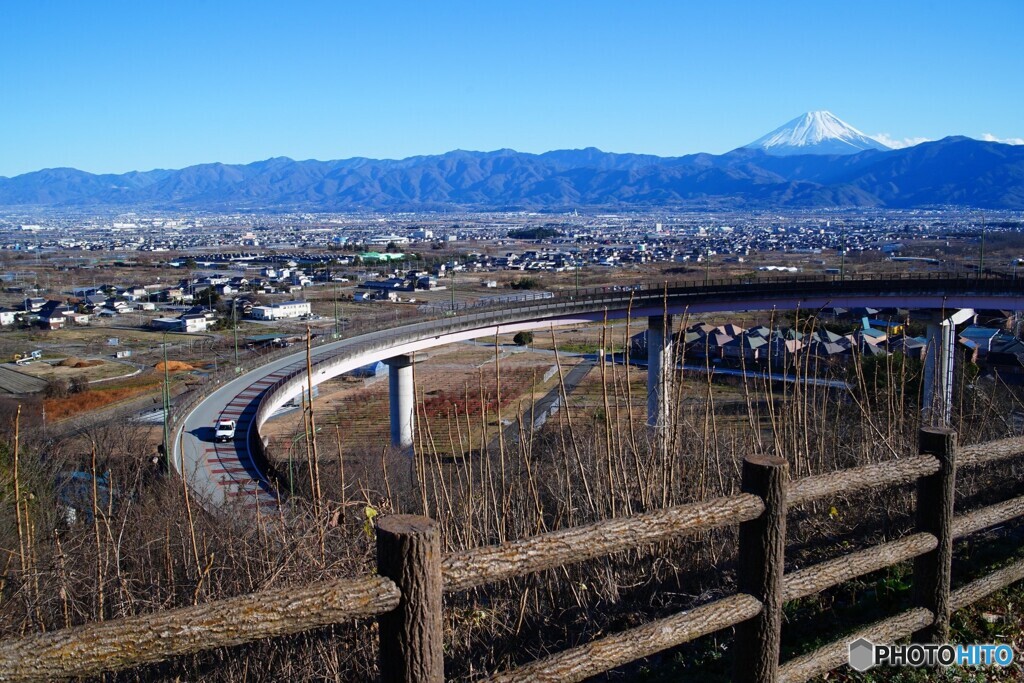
point(225, 430)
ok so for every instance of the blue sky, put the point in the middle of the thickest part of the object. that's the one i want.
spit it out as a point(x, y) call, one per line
point(114, 86)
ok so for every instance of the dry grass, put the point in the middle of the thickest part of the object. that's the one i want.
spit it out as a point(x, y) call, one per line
point(596, 459)
point(94, 399)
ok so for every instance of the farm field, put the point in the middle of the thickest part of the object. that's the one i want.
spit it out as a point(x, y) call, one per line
point(89, 369)
point(59, 408)
point(88, 341)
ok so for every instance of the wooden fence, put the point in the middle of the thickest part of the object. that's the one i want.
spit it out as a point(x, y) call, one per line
point(406, 594)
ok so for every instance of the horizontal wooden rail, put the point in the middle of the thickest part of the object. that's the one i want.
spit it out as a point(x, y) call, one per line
point(983, 587)
point(133, 641)
point(612, 651)
point(836, 654)
point(901, 471)
point(478, 566)
point(879, 475)
point(814, 579)
point(606, 653)
point(818, 577)
point(990, 452)
point(984, 518)
point(145, 639)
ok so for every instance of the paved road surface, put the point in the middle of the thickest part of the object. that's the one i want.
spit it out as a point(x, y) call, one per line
point(225, 472)
point(546, 406)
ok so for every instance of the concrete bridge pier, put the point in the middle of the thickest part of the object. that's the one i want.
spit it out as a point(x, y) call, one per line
point(937, 404)
point(401, 400)
point(659, 370)
point(938, 374)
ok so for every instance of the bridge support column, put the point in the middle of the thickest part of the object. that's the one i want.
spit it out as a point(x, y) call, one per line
point(402, 400)
point(937, 404)
point(660, 368)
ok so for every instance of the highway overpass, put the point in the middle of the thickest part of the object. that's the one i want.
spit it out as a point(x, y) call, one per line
point(223, 472)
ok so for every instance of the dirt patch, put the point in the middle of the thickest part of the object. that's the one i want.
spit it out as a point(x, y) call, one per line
point(69, 368)
point(73, 362)
point(173, 366)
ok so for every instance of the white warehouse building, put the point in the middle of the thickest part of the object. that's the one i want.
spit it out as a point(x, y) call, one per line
point(285, 309)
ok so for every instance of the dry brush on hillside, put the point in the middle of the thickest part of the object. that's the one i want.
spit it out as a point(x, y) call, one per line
point(137, 542)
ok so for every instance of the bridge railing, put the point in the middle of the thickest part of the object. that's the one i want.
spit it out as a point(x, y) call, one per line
point(406, 595)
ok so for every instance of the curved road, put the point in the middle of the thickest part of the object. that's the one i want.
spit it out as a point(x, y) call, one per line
point(221, 473)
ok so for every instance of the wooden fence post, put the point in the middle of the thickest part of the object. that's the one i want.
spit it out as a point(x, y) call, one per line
point(934, 515)
point(411, 640)
point(762, 546)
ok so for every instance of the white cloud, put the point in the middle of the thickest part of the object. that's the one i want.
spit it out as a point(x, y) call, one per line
point(988, 137)
point(895, 143)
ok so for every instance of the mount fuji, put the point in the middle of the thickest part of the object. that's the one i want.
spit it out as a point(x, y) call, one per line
point(816, 132)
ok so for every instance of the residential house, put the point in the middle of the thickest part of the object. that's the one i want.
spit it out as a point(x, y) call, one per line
point(284, 309)
point(207, 313)
point(395, 283)
point(95, 300)
point(910, 347)
point(744, 348)
point(194, 322)
point(872, 336)
point(135, 293)
point(430, 282)
point(376, 295)
point(172, 294)
point(979, 338)
point(33, 304)
point(51, 315)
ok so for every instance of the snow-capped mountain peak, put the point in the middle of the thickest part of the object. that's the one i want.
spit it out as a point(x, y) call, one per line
point(816, 132)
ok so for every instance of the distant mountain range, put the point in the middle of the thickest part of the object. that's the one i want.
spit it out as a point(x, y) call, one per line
point(952, 171)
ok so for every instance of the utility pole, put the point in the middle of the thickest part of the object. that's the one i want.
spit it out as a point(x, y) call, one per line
point(453, 286)
point(167, 407)
point(337, 331)
point(234, 327)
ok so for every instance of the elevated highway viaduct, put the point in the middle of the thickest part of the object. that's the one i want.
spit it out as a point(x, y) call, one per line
point(235, 471)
